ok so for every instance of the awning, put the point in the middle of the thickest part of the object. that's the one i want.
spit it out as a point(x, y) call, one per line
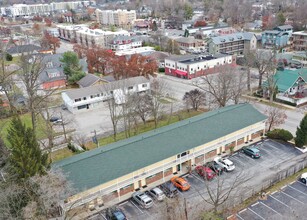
point(179, 72)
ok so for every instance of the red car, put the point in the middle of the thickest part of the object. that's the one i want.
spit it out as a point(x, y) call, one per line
point(205, 172)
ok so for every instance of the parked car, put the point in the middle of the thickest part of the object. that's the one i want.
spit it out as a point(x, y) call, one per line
point(205, 172)
point(54, 119)
point(180, 183)
point(251, 151)
point(115, 214)
point(303, 178)
point(156, 193)
point(225, 163)
point(169, 189)
point(142, 199)
point(215, 167)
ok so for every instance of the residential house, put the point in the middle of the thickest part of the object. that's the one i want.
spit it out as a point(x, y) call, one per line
point(77, 100)
point(90, 80)
point(299, 41)
point(291, 86)
point(23, 49)
point(112, 173)
point(232, 43)
point(277, 38)
point(52, 76)
point(191, 66)
point(159, 57)
point(187, 43)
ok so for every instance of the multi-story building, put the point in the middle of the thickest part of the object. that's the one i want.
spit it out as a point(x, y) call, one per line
point(299, 41)
point(89, 37)
point(277, 38)
point(191, 66)
point(77, 100)
point(117, 17)
point(125, 42)
point(17, 10)
point(112, 173)
point(233, 43)
point(187, 43)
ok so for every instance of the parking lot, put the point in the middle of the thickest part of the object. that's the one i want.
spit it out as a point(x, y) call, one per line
point(288, 203)
point(277, 204)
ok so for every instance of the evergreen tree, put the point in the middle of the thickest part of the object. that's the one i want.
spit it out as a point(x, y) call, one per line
point(26, 158)
point(301, 133)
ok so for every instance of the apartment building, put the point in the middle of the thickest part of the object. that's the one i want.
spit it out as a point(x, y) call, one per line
point(191, 66)
point(277, 38)
point(299, 41)
point(117, 17)
point(125, 43)
point(77, 100)
point(17, 10)
point(235, 43)
point(112, 173)
point(81, 34)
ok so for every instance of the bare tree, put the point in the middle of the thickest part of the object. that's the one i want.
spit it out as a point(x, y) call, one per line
point(142, 106)
point(194, 98)
point(158, 91)
point(223, 86)
point(276, 117)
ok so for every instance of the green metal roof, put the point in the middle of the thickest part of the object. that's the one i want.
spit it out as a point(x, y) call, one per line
point(95, 167)
point(287, 78)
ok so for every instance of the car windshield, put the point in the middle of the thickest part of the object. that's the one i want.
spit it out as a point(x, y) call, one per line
point(185, 185)
point(148, 202)
point(119, 215)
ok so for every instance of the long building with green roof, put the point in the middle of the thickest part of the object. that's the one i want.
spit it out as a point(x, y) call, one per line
point(115, 171)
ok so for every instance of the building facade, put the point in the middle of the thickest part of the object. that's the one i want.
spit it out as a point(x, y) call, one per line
point(191, 66)
point(152, 158)
point(299, 41)
point(83, 35)
point(17, 10)
point(233, 43)
point(125, 43)
point(77, 100)
point(117, 17)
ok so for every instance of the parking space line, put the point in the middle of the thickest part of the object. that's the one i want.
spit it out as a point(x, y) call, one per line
point(239, 217)
point(137, 207)
point(198, 178)
point(256, 213)
point(273, 192)
point(279, 201)
point(123, 203)
point(301, 183)
point(242, 211)
point(103, 216)
point(292, 182)
point(283, 187)
point(292, 197)
point(298, 190)
point(254, 204)
point(271, 208)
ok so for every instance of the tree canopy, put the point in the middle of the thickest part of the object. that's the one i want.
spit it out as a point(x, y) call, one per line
point(301, 133)
point(72, 68)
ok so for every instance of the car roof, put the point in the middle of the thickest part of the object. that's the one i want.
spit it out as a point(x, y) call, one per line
point(304, 175)
point(157, 190)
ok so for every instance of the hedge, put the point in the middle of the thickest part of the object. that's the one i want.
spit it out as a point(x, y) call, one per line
point(280, 134)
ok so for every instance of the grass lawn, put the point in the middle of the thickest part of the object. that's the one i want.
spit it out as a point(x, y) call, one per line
point(26, 118)
point(177, 116)
point(16, 60)
point(60, 154)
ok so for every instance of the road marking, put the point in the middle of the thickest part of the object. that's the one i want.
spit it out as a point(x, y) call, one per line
point(229, 217)
point(273, 192)
point(256, 213)
point(271, 208)
point(123, 203)
point(298, 190)
point(279, 201)
point(198, 178)
point(103, 216)
point(242, 211)
point(292, 197)
point(239, 217)
point(254, 204)
point(283, 187)
point(292, 182)
point(137, 207)
point(302, 183)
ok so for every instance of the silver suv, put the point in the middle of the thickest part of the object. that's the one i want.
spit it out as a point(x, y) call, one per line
point(156, 193)
point(142, 199)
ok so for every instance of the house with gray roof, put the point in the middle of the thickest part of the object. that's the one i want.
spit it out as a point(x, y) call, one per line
point(90, 80)
point(112, 173)
point(235, 43)
point(24, 49)
point(77, 100)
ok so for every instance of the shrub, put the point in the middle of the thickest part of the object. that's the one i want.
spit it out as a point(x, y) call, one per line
point(71, 147)
point(8, 57)
point(280, 134)
point(161, 70)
